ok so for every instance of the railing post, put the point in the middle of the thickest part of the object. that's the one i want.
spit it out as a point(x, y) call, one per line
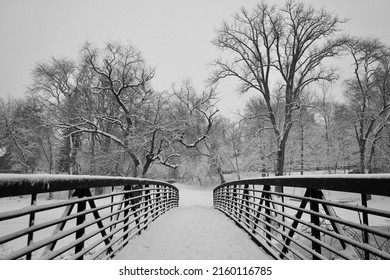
point(229, 195)
point(167, 193)
point(315, 220)
point(112, 207)
point(222, 199)
point(235, 203)
point(226, 197)
point(170, 197)
point(163, 196)
point(31, 223)
point(81, 206)
point(267, 203)
point(246, 198)
point(136, 199)
point(215, 198)
point(258, 212)
point(157, 202)
point(147, 201)
point(177, 197)
point(365, 222)
point(295, 223)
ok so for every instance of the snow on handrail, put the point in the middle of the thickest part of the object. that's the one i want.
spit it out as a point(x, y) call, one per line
point(375, 184)
point(26, 184)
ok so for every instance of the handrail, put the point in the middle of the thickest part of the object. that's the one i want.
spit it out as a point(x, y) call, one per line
point(25, 184)
point(308, 225)
point(51, 230)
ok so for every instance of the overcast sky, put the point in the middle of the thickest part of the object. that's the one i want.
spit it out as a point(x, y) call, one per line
point(173, 35)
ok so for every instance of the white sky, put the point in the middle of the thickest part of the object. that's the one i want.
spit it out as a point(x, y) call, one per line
point(173, 35)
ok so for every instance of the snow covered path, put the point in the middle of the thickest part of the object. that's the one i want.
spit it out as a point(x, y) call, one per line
point(193, 231)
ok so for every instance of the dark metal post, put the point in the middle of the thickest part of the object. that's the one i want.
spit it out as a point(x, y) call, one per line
point(267, 202)
point(366, 238)
point(315, 219)
point(147, 201)
point(81, 206)
point(126, 204)
point(158, 200)
point(226, 197)
point(177, 197)
point(214, 198)
point(235, 208)
point(246, 198)
point(31, 223)
point(112, 206)
point(230, 191)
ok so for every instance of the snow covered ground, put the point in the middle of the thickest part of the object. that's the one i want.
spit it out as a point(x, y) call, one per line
point(193, 231)
point(377, 202)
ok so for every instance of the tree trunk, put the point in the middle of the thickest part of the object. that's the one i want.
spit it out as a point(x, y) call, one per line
point(221, 177)
point(372, 150)
point(51, 161)
point(302, 140)
point(280, 165)
point(146, 166)
point(327, 149)
point(237, 167)
point(362, 165)
point(135, 168)
point(73, 170)
point(74, 145)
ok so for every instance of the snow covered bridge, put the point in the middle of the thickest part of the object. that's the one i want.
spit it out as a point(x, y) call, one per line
point(95, 217)
point(193, 231)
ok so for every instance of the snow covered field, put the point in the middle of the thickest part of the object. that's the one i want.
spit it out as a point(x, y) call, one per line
point(377, 202)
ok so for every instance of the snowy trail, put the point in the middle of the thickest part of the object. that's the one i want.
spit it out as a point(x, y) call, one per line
point(193, 231)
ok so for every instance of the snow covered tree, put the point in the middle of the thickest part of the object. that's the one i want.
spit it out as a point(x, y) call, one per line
point(368, 94)
point(22, 133)
point(283, 47)
point(55, 85)
point(105, 105)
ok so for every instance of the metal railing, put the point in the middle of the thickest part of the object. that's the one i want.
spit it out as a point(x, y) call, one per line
point(86, 226)
point(315, 217)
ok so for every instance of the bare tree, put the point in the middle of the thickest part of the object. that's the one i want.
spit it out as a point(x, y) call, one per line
point(55, 85)
point(343, 136)
point(305, 122)
point(234, 142)
point(194, 111)
point(368, 94)
point(258, 148)
point(117, 103)
point(222, 148)
point(278, 46)
point(325, 107)
point(22, 133)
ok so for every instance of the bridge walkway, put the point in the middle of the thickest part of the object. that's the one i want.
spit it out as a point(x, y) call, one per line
point(195, 231)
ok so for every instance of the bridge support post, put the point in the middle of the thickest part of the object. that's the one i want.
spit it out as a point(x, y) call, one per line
point(146, 193)
point(31, 223)
point(267, 198)
point(235, 204)
point(81, 206)
point(365, 222)
point(315, 220)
